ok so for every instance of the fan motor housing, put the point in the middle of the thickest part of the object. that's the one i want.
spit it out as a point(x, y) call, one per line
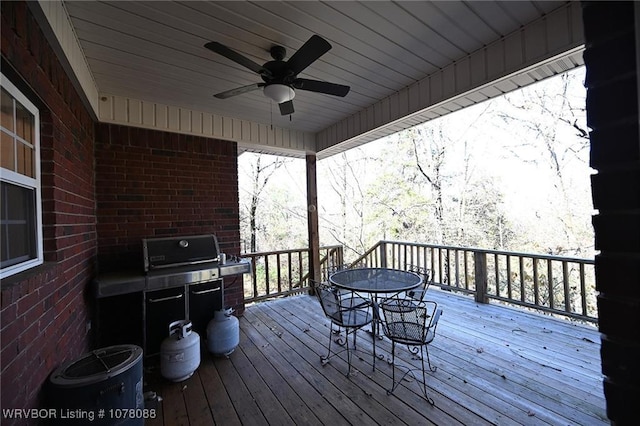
point(278, 52)
point(279, 72)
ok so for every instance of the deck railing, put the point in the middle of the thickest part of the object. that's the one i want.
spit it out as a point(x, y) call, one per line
point(285, 272)
point(554, 284)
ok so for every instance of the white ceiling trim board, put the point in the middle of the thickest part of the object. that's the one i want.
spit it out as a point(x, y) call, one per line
point(543, 41)
point(55, 22)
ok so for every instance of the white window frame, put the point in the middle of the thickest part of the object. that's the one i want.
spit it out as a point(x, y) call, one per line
point(12, 177)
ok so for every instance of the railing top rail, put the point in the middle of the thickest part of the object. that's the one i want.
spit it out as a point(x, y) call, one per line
point(270, 252)
point(490, 251)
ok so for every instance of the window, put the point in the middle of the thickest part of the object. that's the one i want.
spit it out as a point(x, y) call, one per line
point(20, 212)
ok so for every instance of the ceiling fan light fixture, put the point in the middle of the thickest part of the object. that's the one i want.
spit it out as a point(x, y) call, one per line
point(279, 93)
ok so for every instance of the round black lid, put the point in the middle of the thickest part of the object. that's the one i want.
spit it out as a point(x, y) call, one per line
point(97, 365)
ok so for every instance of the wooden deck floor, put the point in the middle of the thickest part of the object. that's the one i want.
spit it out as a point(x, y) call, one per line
point(496, 365)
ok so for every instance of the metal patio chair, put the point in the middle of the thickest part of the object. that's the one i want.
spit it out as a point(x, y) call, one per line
point(427, 279)
point(348, 311)
point(410, 322)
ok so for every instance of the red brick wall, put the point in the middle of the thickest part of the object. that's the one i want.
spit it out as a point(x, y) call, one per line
point(155, 184)
point(43, 312)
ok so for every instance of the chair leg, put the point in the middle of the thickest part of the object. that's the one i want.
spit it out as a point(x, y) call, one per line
point(325, 359)
point(374, 352)
point(348, 353)
point(432, 368)
point(410, 371)
point(393, 368)
point(424, 379)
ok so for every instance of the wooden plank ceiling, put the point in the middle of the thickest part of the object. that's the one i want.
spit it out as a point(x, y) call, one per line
point(145, 56)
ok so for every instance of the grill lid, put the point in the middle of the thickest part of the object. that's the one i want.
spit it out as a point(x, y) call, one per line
point(179, 251)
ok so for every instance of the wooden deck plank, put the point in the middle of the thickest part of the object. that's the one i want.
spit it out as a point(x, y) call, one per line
point(477, 412)
point(325, 413)
point(277, 383)
point(173, 406)
point(535, 350)
point(269, 404)
point(332, 385)
point(376, 398)
point(246, 406)
point(196, 402)
point(222, 408)
point(408, 403)
point(496, 365)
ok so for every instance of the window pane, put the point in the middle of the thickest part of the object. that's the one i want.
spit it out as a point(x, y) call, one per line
point(7, 110)
point(7, 153)
point(24, 123)
point(25, 160)
point(19, 243)
point(17, 223)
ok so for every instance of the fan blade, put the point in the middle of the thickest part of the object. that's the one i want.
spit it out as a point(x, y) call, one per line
point(321, 87)
point(286, 108)
point(315, 47)
point(238, 91)
point(223, 50)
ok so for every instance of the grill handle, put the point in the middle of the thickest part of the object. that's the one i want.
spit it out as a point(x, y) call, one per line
point(211, 290)
point(164, 299)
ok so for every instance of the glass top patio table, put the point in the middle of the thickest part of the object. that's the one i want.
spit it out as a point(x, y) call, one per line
point(375, 280)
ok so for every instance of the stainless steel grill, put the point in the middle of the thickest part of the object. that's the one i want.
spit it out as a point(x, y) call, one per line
point(183, 280)
point(173, 262)
point(160, 253)
point(177, 261)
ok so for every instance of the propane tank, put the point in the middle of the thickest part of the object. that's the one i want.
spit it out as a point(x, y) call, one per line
point(180, 352)
point(223, 333)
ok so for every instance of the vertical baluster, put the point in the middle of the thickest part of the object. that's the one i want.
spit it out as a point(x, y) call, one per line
point(433, 263)
point(567, 287)
point(496, 271)
point(254, 277)
point(424, 259)
point(583, 291)
point(404, 260)
point(301, 266)
point(457, 263)
point(290, 271)
point(536, 293)
point(522, 286)
point(509, 291)
point(465, 254)
point(550, 283)
point(440, 265)
point(278, 275)
point(447, 265)
point(266, 274)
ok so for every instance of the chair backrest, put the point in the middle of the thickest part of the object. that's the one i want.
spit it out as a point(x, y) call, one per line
point(425, 273)
point(407, 320)
point(434, 320)
point(329, 300)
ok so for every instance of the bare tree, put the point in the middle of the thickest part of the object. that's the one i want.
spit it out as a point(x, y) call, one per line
point(261, 169)
point(550, 120)
point(344, 220)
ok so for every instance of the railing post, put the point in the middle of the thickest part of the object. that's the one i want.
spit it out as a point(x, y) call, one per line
point(383, 254)
point(480, 263)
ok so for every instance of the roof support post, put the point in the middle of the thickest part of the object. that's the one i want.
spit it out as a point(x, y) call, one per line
point(312, 218)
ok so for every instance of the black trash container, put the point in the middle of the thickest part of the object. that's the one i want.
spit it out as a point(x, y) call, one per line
point(103, 387)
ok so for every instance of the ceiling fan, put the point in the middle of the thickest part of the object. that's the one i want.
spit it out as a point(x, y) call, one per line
point(281, 77)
